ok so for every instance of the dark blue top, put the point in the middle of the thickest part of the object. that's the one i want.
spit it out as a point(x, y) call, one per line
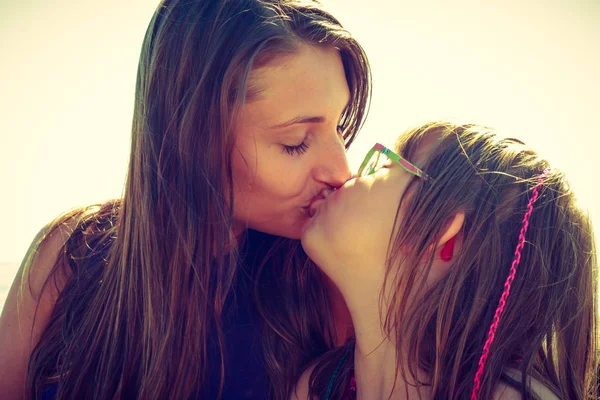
point(245, 373)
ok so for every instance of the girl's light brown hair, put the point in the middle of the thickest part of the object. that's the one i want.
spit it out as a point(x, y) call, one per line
point(148, 278)
point(549, 327)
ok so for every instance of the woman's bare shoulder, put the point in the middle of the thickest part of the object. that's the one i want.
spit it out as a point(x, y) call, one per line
point(42, 276)
point(45, 268)
point(42, 263)
point(30, 303)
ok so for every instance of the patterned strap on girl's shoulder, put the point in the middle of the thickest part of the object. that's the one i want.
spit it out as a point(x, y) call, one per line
point(336, 372)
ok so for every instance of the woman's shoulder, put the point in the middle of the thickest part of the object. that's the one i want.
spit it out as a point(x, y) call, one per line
point(73, 233)
point(504, 391)
point(44, 273)
point(45, 268)
point(30, 303)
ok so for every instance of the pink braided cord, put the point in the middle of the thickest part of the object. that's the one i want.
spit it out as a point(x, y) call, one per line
point(507, 284)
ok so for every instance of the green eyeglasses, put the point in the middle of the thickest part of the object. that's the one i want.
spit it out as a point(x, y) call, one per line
point(379, 156)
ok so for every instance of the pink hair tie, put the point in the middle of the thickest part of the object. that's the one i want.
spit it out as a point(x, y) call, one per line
point(507, 284)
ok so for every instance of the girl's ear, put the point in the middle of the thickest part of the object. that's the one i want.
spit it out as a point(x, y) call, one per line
point(451, 229)
point(450, 241)
point(453, 225)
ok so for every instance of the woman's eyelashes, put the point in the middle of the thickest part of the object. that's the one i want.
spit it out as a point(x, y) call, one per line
point(296, 150)
point(299, 149)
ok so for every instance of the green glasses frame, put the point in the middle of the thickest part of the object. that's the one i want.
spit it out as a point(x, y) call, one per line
point(367, 168)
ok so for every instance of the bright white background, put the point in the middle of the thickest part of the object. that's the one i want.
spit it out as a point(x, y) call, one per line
point(67, 77)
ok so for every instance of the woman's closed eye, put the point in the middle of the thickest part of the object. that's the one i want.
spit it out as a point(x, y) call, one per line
point(295, 150)
point(299, 149)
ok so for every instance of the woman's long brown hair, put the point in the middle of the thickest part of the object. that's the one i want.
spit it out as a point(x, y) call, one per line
point(549, 327)
point(149, 278)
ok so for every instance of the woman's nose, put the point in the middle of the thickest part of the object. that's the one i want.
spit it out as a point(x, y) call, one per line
point(333, 169)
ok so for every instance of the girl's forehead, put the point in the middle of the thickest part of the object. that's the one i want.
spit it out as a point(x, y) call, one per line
point(416, 148)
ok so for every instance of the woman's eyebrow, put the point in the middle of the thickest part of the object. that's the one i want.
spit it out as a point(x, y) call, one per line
point(300, 120)
point(308, 119)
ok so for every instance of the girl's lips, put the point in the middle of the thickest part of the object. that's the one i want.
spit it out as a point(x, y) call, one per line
point(313, 209)
point(323, 195)
point(311, 206)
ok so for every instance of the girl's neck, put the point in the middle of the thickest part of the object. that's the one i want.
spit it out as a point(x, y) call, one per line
point(379, 375)
point(377, 369)
point(342, 320)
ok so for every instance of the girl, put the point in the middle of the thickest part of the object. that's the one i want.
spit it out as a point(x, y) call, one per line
point(185, 287)
point(469, 272)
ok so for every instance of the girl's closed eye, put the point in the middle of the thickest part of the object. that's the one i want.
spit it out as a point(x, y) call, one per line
point(383, 167)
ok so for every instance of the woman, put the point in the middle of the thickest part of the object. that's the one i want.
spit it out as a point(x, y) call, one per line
point(468, 273)
point(182, 288)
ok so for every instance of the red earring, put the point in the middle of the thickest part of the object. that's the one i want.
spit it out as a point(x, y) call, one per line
point(448, 250)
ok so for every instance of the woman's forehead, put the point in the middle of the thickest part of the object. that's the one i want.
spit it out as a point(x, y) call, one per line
point(310, 83)
point(307, 68)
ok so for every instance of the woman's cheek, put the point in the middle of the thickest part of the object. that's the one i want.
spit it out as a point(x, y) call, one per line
point(288, 178)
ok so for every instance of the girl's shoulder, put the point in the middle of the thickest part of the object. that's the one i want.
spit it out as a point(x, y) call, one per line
point(503, 391)
point(300, 391)
point(506, 392)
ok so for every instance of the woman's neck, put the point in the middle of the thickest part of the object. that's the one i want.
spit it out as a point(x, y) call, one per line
point(237, 236)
